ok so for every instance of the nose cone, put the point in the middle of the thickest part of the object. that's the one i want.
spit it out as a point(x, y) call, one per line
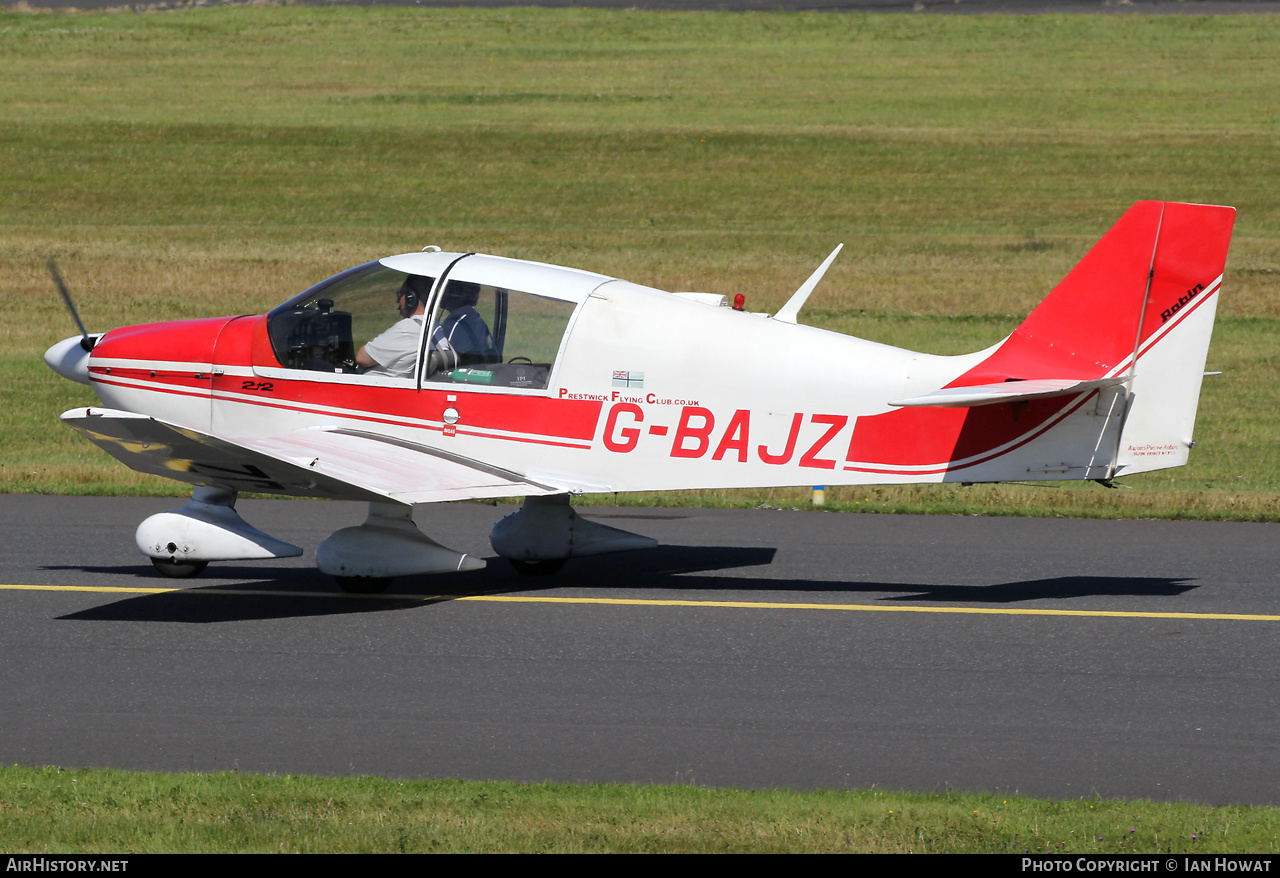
point(69, 359)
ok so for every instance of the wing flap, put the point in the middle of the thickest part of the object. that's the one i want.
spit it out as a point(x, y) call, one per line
point(323, 463)
point(1008, 391)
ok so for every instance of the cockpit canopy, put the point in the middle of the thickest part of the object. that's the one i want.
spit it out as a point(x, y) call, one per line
point(510, 337)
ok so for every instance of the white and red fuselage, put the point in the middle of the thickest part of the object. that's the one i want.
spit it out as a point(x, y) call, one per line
point(652, 391)
point(586, 383)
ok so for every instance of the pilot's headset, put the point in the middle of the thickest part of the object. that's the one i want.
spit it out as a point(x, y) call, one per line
point(412, 292)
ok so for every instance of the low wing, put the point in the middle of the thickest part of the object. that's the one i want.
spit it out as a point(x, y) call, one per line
point(1008, 391)
point(322, 462)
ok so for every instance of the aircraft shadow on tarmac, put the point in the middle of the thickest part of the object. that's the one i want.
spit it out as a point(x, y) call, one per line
point(259, 592)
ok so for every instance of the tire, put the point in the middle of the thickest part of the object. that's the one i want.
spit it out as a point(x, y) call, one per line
point(179, 569)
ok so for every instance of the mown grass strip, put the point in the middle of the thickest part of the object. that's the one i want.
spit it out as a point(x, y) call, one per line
point(55, 810)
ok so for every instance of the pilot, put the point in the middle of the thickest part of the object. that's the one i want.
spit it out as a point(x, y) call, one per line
point(464, 330)
point(395, 352)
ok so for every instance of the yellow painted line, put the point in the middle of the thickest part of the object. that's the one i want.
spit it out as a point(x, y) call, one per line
point(102, 588)
point(869, 608)
point(206, 590)
point(642, 602)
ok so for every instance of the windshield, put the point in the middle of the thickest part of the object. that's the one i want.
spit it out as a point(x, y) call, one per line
point(320, 329)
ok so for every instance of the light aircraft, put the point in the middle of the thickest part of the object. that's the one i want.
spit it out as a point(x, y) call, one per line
point(574, 382)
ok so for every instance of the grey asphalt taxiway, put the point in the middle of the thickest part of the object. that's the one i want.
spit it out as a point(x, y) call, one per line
point(753, 648)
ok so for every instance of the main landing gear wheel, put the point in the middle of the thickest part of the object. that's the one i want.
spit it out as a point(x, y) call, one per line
point(363, 584)
point(538, 568)
point(179, 569)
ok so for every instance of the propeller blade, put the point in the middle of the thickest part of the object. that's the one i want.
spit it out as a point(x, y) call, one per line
point(86, 341)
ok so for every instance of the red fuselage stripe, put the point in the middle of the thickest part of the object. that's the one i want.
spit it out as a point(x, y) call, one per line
point(157, 387)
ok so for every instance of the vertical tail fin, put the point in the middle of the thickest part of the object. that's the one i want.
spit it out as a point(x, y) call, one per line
point(1119, 297)
point(1140, 305)
point(1102, 379)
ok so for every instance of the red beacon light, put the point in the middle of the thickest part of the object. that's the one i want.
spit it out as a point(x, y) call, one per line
point(739, 302)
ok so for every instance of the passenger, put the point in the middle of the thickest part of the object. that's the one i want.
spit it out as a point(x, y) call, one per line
point(464, 330)
point(395, 352)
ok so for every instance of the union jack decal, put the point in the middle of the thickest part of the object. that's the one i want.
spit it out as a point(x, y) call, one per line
point(624, 378)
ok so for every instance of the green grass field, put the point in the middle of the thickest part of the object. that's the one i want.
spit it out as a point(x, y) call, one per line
point(49, 810)
point(213, 161)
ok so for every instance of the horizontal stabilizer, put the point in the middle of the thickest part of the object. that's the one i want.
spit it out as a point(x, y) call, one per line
point(329, 463)
point(1007, 391)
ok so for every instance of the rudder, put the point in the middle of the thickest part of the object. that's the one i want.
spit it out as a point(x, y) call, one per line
point(1173, 339)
